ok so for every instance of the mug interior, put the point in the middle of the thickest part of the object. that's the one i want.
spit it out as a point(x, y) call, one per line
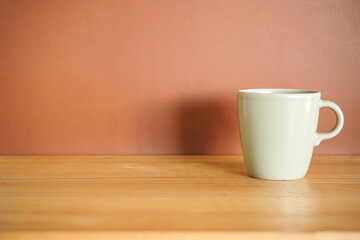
point(277, 91)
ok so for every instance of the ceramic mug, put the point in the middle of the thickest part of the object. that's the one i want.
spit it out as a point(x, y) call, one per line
point(278, 130)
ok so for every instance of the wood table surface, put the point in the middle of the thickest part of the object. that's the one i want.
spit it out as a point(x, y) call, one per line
point(174, 197)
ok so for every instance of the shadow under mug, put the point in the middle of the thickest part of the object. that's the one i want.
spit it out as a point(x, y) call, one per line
point(278, 130)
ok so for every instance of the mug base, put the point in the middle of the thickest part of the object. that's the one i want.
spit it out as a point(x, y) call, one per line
point(277, 178)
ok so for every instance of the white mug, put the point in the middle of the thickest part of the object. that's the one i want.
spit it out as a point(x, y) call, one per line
point(278, 130)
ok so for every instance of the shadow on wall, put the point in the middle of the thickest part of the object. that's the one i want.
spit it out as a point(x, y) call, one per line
point(209, 126)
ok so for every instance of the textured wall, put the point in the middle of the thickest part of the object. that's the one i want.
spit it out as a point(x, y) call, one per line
point(160, 76)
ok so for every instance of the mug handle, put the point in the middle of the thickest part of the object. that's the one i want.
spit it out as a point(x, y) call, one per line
point(339, 122)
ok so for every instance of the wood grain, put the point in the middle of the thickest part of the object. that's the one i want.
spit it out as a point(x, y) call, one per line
point(204, 197)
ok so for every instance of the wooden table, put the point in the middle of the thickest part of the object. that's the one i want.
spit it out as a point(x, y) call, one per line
point(174, 197)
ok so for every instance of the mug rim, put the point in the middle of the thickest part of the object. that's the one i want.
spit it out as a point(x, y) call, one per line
point(278, 91)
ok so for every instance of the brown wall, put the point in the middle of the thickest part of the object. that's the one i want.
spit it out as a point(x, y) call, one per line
point(160, 76)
